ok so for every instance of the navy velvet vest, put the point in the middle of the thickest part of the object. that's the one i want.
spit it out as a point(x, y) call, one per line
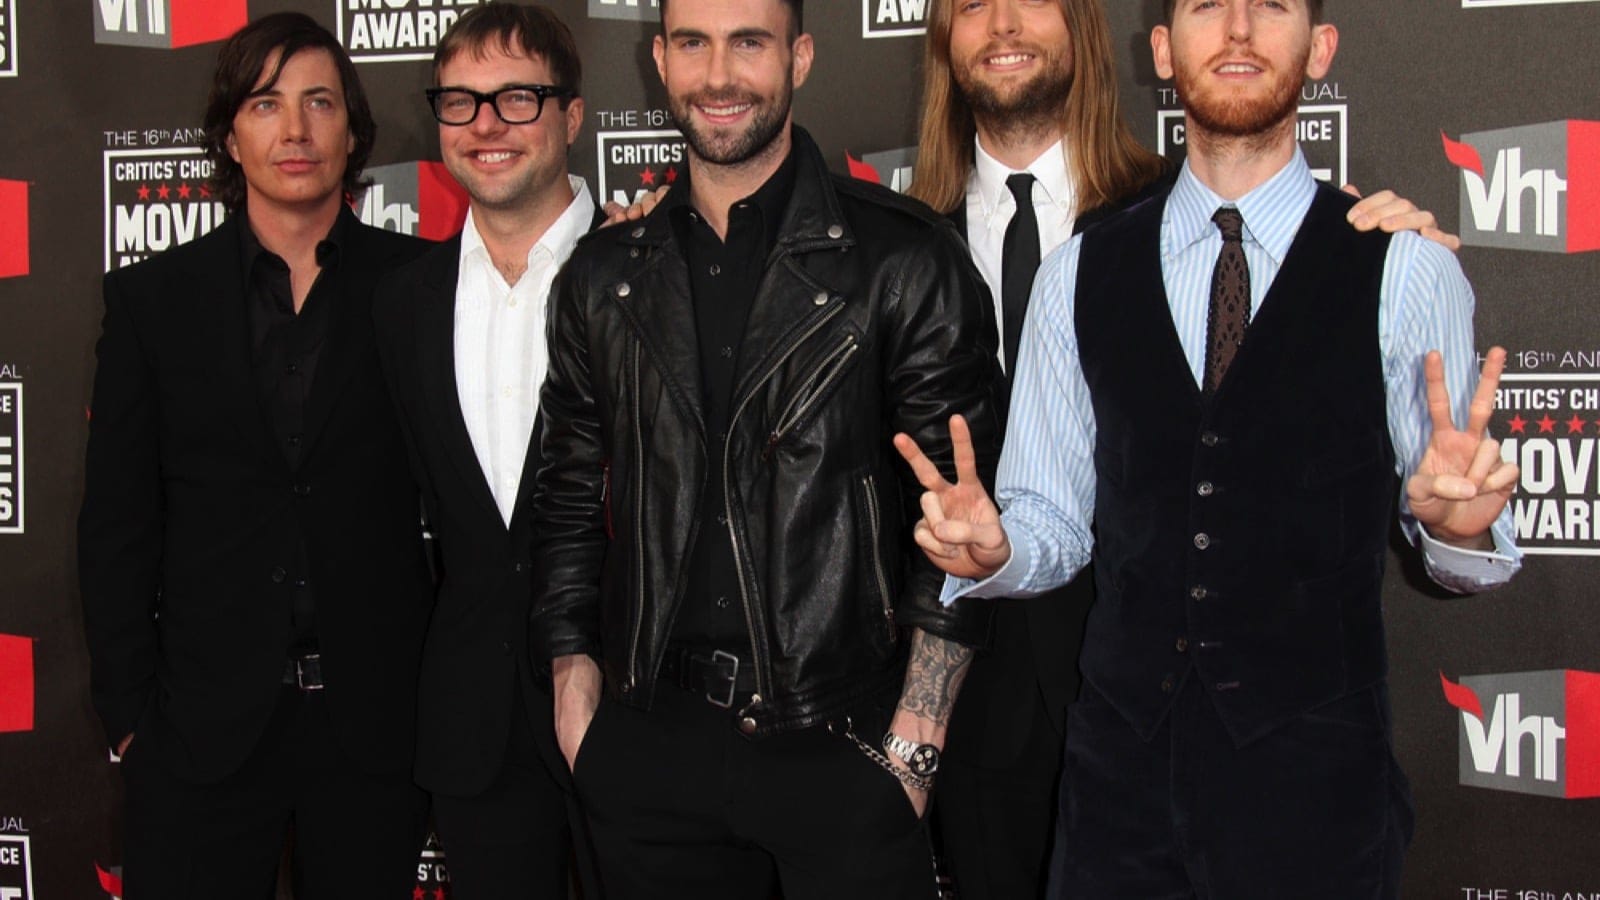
point(1239, 539)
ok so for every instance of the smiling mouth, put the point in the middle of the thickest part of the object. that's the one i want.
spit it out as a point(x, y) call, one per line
point(1238, 69)
point(492, 156)
point(722, 112)
point(1007, 59)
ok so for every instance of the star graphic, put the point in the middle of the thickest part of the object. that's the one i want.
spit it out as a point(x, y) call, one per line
point(163, 192)
point(1575, 424)
point(1547, 425)
point(648, 176)
point(417, 893)
point(204, 192)
point(672, 174)
point(438, 893)
point(144, 192)
point(1518, 424)
point(183, 191)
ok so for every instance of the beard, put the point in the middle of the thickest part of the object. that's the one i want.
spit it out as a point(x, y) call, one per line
point(1237, 116)
point(732, 147)
point(1019, 106)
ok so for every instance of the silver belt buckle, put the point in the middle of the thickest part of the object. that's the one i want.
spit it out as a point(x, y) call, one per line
point(718, 656)
point(300, 672)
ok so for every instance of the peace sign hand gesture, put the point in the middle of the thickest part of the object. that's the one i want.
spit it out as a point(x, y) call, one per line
point(960, 526)
point(1462, 484)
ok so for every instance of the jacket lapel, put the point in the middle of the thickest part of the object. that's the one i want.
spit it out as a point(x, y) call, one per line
point(434, 330)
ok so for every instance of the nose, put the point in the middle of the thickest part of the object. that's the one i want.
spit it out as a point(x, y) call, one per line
point(485, 120)
point(1004, 19)
point(719, 68)
point(1239, 21)
point(295, 124)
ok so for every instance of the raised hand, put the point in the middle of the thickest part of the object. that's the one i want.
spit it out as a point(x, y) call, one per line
point(960, 526)
point(1461, 485)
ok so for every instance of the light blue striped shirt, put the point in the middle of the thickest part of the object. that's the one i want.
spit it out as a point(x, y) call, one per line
point(1046, 481)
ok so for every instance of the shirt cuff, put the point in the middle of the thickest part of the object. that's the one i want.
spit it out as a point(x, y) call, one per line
point(1003, 583)
point(1469, 571)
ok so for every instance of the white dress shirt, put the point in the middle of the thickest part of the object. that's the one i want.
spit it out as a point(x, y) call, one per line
point(500, 353)
point(990, 207)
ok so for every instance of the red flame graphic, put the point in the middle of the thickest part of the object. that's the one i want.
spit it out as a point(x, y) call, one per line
point(1462, 698)
point(861, 170)
point(1463, 155)
point(109, 882)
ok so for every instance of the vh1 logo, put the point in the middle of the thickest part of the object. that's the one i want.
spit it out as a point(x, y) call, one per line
point(1529, 732)
point(167, 24)
point(417, 198)
point(1534, 187)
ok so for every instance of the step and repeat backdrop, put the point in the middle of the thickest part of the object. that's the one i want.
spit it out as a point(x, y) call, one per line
point(1484, 111)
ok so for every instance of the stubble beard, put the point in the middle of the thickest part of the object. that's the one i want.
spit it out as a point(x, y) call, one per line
point(1021, 110)
point(738, 147)
point(1242, 117)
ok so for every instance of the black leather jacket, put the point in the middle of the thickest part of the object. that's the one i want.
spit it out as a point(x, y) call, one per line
point(870, 320)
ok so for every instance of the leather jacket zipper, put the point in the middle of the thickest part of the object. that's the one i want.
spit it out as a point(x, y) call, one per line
point(829, 369)
point(727, 500)
point(638, 516)
point(870, 485)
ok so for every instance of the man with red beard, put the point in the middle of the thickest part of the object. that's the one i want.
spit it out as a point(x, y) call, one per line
point(722, 528)
point(1020, 100)
point(1217, 391)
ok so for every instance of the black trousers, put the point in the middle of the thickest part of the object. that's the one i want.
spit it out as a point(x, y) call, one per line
point(513, 840)
point(681, 805)
point(356, 835)
point(1315, 809)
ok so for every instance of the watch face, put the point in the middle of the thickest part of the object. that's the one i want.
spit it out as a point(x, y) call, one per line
point(924, 760)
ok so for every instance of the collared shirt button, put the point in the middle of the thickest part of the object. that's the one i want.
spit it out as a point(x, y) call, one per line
point(1202, 541)
point(726, 351)
point(1199, 592)
point(1205, 489)
point(715, 269)
point(1181, 645)
point(278, 575)
point(1209, 438)
point(722, 602)
point(722, 518)
point(301, 490)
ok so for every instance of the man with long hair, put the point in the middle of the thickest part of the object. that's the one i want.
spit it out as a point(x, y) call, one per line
point(1020, 100)
point(252, 569)
point(1220, 390)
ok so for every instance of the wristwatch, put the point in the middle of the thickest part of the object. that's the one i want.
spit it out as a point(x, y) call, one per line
point(922, 759)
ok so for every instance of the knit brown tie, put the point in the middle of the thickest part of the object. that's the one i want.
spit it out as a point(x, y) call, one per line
point(1230, 298)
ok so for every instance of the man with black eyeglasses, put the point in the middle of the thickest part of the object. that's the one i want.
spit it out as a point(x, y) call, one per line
point(462, 337)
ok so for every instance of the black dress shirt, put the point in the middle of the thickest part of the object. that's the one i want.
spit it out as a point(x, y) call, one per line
point(284, 348)
point(724, 279)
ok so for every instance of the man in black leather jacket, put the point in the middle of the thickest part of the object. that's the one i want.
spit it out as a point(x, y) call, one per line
point(722, 526)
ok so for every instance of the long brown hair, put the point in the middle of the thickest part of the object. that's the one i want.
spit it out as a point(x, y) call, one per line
point(1107, 164)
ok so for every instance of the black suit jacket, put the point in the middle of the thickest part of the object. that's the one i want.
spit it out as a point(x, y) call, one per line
point(477, 646)
point(1034, 641)
point(191, 515)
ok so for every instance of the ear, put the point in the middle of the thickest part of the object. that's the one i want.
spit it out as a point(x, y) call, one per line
point(574, 115)
point(658, 49)
point(804, 50)
point(1324, 44)
point(1161, 50)
point(233, 146)
point(349, 143)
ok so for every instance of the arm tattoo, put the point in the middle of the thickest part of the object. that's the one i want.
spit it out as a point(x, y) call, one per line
point(934, 676)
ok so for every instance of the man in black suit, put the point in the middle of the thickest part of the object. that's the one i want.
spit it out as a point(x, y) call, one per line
point(251, 562)
point(462, 336)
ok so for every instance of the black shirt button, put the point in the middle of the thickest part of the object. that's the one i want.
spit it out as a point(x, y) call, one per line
point(1202, 541)
point(722, 602)
point(1181, 645)
point(722, 519)
point(299, 584)
point(727, 352)
point(302, 490)
point(715, 269)
point(520, 567)
point(1209, 438)
point(294, 440)
point(278, 575)
point(1199, 592)
point(1205, 489)
point(1166, 685)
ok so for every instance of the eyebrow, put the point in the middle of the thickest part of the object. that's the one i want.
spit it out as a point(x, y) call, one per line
point(750, 32)
point(275, 91)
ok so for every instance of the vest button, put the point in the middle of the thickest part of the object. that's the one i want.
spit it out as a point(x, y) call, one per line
point(1205, 489)
point(747, 725)
point(1198, 592)
point(1209, 438)
point(1181, 645)
point(1202, 541)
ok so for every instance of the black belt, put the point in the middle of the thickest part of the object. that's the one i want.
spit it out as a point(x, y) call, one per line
point(716, 674)
point(304, 672)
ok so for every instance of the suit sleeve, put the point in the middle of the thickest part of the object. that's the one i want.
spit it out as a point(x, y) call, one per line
point(569, 542)
point(120, 524)
point(941, 361)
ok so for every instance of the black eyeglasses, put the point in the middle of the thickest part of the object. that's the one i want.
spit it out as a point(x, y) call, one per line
point(518, 104)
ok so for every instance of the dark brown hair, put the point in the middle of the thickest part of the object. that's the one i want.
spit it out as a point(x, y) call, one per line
point(1106, 163)
point(797, 16)
point(515, 28)
point(1315, 7)
point(240, 64)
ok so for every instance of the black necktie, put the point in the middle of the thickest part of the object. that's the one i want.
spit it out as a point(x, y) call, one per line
point(1019, 260)
point(1229, 315)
